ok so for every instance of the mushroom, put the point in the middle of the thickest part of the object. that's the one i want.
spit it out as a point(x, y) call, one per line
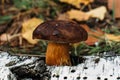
point(60, 34)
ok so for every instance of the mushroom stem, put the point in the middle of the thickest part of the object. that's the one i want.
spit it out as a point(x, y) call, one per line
point(58, 54)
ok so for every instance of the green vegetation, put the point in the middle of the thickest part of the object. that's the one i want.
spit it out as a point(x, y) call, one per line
point(17, 10)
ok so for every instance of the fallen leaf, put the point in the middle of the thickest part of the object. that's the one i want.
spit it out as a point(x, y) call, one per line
point(8, 37)
point(115, 6)
point(83, 16)
point(97, 34)
point(112, 37)
point(77, 3)
point(28, 28)
point(5, 37)
point(98, 12)
point(78, 15)
point(63, 17)
point(93, 35)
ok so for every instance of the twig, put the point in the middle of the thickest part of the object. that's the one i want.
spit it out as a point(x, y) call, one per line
point(30, 55)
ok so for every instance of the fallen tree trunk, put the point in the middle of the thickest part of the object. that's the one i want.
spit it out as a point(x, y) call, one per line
point(22, 67)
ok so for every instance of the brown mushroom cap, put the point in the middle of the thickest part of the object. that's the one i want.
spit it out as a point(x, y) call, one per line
point(60, 31)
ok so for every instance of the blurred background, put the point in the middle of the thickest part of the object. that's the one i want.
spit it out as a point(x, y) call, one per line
point(100, 18)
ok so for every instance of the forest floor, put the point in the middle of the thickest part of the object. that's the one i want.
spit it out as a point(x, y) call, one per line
point(19, 17)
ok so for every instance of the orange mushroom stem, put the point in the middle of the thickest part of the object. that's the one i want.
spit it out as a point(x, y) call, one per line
point(58, 54)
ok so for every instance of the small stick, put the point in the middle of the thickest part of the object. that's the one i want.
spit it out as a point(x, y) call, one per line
point(31, 55)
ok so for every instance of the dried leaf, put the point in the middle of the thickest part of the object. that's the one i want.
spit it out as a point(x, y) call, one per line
point(94, 35)
point(77, 3)
point(115, 6)
point(112, 37)
point(78, 15)
point(8, 37)
point(97, 34)
point(28, 28)
point(98, 12)
point(83, 16)
point(63, 17)
point(5, 37)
